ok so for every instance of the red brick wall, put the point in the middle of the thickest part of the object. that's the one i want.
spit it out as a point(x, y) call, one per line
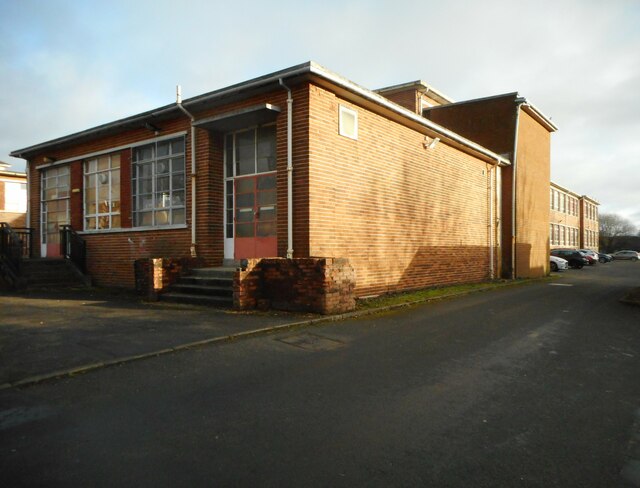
point(409, 99)
point(111, 254)
point(405, 216)
point(321, 285)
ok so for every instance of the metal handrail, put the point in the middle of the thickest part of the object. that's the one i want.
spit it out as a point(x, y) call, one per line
point(73, 247)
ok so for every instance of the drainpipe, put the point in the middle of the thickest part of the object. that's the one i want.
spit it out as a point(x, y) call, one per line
point(289, 170)
point(514, 162)
point(490, 223)
point(193, 170)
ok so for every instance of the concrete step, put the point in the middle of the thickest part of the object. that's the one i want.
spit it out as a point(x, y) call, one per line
point(219, 272)
point(204, 281)
point(187, 288)
point(209, 300)
point(51, 272)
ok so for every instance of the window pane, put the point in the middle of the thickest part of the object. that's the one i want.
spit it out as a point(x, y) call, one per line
point(267, 198)
point(244, 215)
point(244, 230)
point(266, 229)
point(163, 149)
point(103, 163)
point(177, 146)
point(143, 153)
point(245, 153)
point(245, 185)
point(162, 183)
point(229, 231)
point(162, 167)
point(178, 198)
point(229, 155)
point(244, 200)
point(90, 223)
point(177, 165)
point(266, 149)
point(177, 182)
point(162, 217)
point(178, 216)
point(266, 214)
point(115, 221)
point(267, 182)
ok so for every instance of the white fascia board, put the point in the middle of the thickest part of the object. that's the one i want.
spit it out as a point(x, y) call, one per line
point(388, 104)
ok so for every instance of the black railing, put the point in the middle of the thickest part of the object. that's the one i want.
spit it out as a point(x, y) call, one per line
point(10, 252)
point(73, 247)
point(25, 234)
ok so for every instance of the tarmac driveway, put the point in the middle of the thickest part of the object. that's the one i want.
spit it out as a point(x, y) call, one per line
point(55, 331)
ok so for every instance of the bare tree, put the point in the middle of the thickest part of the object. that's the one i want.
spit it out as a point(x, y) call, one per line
point(612, 227)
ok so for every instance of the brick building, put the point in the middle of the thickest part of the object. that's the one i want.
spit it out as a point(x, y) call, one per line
point(412, 189)
point(573, 219)
point(13, 196)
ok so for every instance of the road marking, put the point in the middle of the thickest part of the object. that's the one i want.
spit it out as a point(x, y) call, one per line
point(559, 284)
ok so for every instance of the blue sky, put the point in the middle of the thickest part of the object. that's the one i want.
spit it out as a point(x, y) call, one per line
point(69, 65)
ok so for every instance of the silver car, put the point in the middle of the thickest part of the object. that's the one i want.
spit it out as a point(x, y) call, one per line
point(632, 255)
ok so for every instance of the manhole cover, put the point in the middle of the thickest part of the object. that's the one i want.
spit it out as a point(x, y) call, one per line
point(312, 342)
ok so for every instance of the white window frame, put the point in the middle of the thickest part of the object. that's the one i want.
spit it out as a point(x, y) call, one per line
point(342, 130)
point(96, 175)
point(169, 205)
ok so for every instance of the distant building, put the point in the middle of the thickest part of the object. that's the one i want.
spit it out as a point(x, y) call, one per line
point(13, 196)
point(573, 219)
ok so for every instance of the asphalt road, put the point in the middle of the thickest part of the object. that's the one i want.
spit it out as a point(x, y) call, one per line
point(535, 385)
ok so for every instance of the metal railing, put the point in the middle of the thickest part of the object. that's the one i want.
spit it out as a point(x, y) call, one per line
point(15, 245)
point(73, 247)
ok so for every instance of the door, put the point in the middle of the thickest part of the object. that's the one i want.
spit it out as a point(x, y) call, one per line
point(255, 217)
point(55, 209)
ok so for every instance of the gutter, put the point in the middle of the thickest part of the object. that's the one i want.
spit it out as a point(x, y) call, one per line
point(193, 171)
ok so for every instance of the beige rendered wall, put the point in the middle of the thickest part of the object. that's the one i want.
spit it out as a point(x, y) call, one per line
point(532, 198)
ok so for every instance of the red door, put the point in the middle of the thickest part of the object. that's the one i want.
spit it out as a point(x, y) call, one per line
point(255, 217)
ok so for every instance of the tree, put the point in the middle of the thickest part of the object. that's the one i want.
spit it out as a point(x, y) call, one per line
point(612, 228)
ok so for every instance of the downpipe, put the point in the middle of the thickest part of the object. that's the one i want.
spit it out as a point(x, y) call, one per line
point(289, 170)
point(193, 171)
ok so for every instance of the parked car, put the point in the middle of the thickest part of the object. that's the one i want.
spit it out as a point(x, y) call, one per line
point(604, 258)
point(592, 256)
point(558, 264)
point(576, 259)
point(632, 255)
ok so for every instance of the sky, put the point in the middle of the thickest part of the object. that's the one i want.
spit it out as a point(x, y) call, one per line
point(66, 66)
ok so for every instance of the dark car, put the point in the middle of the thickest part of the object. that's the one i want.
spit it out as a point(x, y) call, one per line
point(575, 258)
point(604, 258)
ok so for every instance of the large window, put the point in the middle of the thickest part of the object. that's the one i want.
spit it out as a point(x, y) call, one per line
point(102, 192)
point(158, 183)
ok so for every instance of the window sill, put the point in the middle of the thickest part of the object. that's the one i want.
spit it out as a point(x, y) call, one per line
point(133, 229)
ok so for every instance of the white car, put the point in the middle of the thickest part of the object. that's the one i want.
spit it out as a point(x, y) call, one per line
point(558, 264)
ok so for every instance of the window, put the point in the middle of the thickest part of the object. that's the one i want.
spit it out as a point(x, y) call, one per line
point(348, 122)
point(102, 192)
point(15, 197)
point(158, 183)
